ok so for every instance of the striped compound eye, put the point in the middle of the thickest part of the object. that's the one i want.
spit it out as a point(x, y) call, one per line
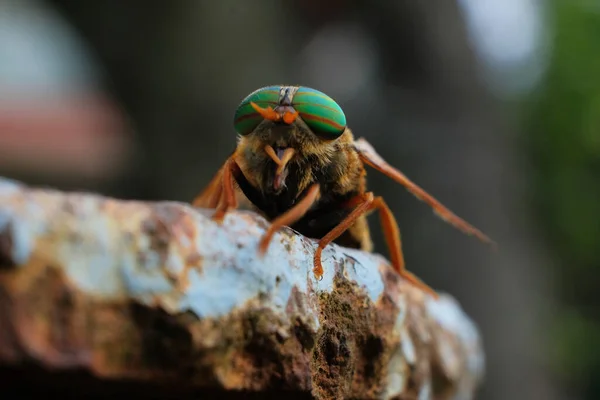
point(246, 118)
point(319, 112)
point(323, 116)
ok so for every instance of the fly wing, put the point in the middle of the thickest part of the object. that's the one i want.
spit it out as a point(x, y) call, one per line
point(211, 195)
point(370, 157)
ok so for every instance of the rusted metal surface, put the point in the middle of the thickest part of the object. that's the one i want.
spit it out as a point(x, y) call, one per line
point(158, 292)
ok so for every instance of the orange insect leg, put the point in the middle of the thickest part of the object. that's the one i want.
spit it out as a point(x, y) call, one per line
point(365, 203)
point(392, 237)
point(290, 216)
point(362, 206)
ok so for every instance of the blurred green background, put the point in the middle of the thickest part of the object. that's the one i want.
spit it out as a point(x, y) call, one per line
point(561, 119)
point(493, 106)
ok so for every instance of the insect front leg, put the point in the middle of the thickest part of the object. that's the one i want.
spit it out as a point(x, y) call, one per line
point(364, 203)
point(361, 204)
point(290, 216)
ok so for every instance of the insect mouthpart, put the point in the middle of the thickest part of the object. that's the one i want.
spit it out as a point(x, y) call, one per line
point(281, 157)
point(281, 151)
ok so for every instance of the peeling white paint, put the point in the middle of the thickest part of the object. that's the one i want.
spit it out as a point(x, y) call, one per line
point(450, 316)
point(8, 187)
point(398, 364)
point(425, 392)
point(233, 272)
point(397, 375)
point(20, 234)
point(93, 263)
point(408, 347)
point(447, 312)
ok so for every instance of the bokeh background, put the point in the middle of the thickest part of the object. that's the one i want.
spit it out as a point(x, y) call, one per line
point(493, 106)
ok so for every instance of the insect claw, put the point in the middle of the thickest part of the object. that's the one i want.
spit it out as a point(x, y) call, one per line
point(318, 275)
point(318, 269)
point(264, 243)
point(218, 217)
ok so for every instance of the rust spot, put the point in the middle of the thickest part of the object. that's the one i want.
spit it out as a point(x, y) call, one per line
point(353, 346)
point(69, 206)
point(167, 229)
point(159, 234)
point(273, 360)
point(170, 221)
point(166, 343)
point(183, 281)
point(304, 334)
point(192, 261)
point(186, 224)
point(254, 217)
point(6, 246)
point(47, 316)
point(295, 302)
point(287, 245)
point(156, 301)
point(10, 349)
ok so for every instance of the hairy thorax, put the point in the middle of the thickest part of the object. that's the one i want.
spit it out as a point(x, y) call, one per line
point(334, 165)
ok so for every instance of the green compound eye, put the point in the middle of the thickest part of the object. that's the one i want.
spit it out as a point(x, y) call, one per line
point(320, 112)
point(246, 119)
